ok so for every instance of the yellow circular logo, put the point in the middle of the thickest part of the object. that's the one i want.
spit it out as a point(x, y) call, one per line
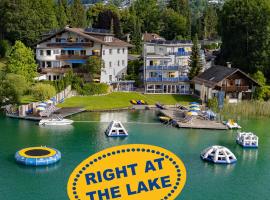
point(129, 172)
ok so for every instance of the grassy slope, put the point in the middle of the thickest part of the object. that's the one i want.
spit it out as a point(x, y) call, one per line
point(122, 100)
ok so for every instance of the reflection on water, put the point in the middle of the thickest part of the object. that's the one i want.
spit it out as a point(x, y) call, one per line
point(40, 169)
point(219, 169)
point(65, 129)
point(249, 155)
point(109, 116)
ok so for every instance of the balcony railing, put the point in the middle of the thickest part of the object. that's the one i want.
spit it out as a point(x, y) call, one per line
point(72, 57)
point(180, 53)
point(168, 79)
point(159, 67)
point(70, 44)
point(235, 88)
point(59, 70)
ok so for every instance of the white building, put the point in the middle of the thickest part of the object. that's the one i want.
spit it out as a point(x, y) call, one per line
point(166, 66)
point(71, 47)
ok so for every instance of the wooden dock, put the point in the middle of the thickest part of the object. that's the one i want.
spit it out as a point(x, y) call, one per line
point(196, 123)
point(64, 112)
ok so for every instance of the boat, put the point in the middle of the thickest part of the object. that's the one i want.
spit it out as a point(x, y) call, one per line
point(164, 119)
point(231, 124)
point(141, 102)
point(134, 102)
point(55, 121)
point(247, 140)
point(218, 155)
point(160, 106)
point(116, 129)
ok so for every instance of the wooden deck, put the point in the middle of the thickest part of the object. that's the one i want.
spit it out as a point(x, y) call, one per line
point(64, 112)
point(195, 123)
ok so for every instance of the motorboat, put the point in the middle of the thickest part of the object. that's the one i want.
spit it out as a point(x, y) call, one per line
point(247, 139)
point(164, 119)
point(231, 124)
point(218, 155)
point(55, 121)
point(116, 129)
point(160, 106)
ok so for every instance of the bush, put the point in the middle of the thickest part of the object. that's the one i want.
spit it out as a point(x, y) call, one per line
point(93, 89)
point(213, 104)
point(42, 91)
point(18, 82)
point(5, 48)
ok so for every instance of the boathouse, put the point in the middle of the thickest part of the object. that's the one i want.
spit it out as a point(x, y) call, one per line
point(232, 82)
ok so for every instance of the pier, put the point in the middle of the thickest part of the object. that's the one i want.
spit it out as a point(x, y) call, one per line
point(196, 122)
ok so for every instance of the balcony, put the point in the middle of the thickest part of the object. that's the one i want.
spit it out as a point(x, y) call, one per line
point(70, 44)
point(158, 67)
point(57, 70)
point(168, 79)
point(72, 57)
point(180, 53)
point(235, 88)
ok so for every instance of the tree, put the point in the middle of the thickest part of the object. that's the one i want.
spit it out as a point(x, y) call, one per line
point(195, 62)
point(8, 94)
point(244, 29)
point(182, 7)
point(21, 61)
point(5, 48)
point(210, 22)
point(61, 14)
point(260, 93)
point(27, 20)
point(78, 15)
point(42, 91)
point(136, 36)
point(18, 82)
point(173, 25)
point(93, 66)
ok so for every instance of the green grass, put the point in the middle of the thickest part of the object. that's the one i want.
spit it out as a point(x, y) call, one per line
point(117, 100)
point(26, 99)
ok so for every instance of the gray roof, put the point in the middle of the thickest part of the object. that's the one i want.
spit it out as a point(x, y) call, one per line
point(216, 74)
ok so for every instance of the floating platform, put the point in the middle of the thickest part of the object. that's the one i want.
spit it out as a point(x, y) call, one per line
point(194, 122)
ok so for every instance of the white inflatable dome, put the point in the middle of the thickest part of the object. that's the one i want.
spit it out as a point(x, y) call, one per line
point(247, 139)
point(218, 154)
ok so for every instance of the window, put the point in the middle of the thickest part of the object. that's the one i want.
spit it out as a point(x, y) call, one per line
point(43, 64)
point(70, 52)
point(103, 52)
point(49, 77)
point(83, 52)
point(55, 63)
point(123, 62)
point(123, 50)
point(49, 64)
point(118, 63)
point(57, 39)
point(49, 52)
point(110, 64)
point(110, 51)
point(237, 82)
point(54, 77)
point(56, 51)
point(118, 51)
point(41, 52)
point(110, 77)
point(63, 52)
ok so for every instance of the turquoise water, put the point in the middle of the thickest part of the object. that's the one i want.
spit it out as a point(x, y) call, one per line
point(248, 179)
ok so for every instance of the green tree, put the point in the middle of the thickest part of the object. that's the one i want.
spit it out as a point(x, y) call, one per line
point(21, 61)
point(244, 29)
point(93, 66)
point(61, 14)
point(5, 48)
point(19, 83)
point(78, 14)
point(174, 25)
point(260, 93)
point(195, 62)
point(8, 94)
point(210, 23)
point(182, 7)
point(136, 36)
point(42, 91)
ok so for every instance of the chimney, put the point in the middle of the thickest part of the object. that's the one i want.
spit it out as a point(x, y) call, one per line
point(229, 64)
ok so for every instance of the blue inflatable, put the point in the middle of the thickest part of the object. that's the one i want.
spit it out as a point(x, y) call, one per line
point(37, 156)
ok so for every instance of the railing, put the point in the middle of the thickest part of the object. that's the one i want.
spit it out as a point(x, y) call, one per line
point(167, 79)
point(70, 44)
point(55, 70)
point(158, 67)
point(71, 57)
point(180, 53)
point(235, 88)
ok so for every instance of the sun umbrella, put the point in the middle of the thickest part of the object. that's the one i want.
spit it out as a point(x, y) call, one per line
point(42, 105)
point(195, 108)
point(191, 113)
point(41, 108)
point(194, 103)
point(49, 101)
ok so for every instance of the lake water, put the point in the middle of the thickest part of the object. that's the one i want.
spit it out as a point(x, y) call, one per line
point(248, 179)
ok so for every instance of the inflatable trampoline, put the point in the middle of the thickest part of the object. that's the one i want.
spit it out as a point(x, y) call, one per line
point(37, 156)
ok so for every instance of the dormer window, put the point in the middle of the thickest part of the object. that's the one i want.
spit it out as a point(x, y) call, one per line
point(108, 38)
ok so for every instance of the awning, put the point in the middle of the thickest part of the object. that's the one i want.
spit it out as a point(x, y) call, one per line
point(73, 48)
point(76, 61)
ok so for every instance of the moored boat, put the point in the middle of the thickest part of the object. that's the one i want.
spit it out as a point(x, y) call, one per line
point(55, 121)
point(231, 124)
point(247, 140)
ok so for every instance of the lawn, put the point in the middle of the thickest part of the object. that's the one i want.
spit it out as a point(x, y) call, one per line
point(26, 99)
point(118, 100)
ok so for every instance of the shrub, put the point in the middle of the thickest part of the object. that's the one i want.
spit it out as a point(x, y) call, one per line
point(18, 82)
point(42, 91)
point(213, 104)
point(5, 48)
point(94, 88)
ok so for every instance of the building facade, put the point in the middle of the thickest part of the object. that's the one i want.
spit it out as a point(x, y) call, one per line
point(70, 48)
point(166, 66)
point(232, 83)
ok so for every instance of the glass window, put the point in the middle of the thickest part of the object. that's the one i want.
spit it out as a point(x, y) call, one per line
point(49, 52)
point(110, 77)
point(103, 52)
point(70, 52)
point(237, 82)
point(83, 52)
point(118, 51)
point(63, 52)
point(41, 52)
point(110, 51)
point(49, 64)
point(56, 51)
point(118, 63)
point(123, 50)
point(123, 62)
point(110, 64)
